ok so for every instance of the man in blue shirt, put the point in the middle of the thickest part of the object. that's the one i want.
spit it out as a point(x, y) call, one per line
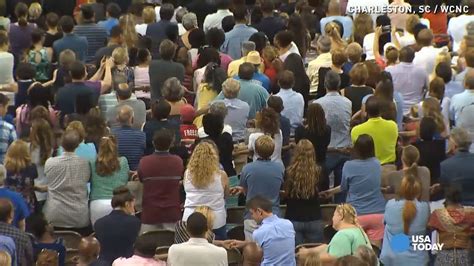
point(239, 34)
point(458, 170)
point(113, 14)
point(254, 58)
point(21, 211)
point(275, 236)
point(78, 44)
point(293, 101)
point(96, 34)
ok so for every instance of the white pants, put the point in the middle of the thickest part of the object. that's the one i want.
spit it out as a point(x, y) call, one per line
point(99, 209)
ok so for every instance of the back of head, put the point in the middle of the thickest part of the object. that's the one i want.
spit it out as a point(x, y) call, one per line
point(120, 56)
point(453, 195)
point(213, 124)
point(6, 210)
point(52, 20)
point(197, 38)
point(167, 50)
point(228, 23)
point(145, 246)
point(286, 79)
point(359, 74)
point(350, 260)
point(259, 202)
point(215, 37)
point(283, 39)
point(407, 54)
point(332, 81)
point(162, 139)
point(461, 138)
point(87, 12)
point(219, 108)
point(21, 12)
point(469, 80)
point(264, 147)
point(268, 121)
point(223, 4)
point(114, 10)
point(25, 71)
point(364, 147)
point(172, 90)
point(276, 103)
point(246, 71)
point(89, 249)
point(425, 37)
point(37, 225)
point(166, 11)
point(125, 115)
point(189, 21)
point(338, 57)
point(67, 24)
point(410, 157)
point(196, 225)
point(121, 195)
point(160, 109)
point(372, 106)
point(444, 71)
point(354, 52)
point(247, 47)
point(324, 44)
point(77, 70)
point(428, 128)
point(367, 254)
point(240, 13)
point(437, 88)
point(231, 88)
point(267, 6)
point(411, 21)
point(260, 40)
point(3, 38)
point(70, 140)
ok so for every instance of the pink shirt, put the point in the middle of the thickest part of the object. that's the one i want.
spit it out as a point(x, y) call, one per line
point(137, 260)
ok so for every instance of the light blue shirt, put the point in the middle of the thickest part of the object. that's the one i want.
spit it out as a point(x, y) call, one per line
point(85, 150)
point(361, 181)
point(276, 237)
point(346, 23)
point(253, 94)
point(108, 24)
point(293, 107)
point(458, 102)
point(237, 116)
point(338, 110)
point(410, 81)
point(394, 225)
point(234, 39)
point(260, 79)
point(452, 88)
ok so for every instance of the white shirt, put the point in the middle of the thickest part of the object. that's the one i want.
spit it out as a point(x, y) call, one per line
point(141, 28)
point(212, 196)
point(293, 106)
point(368, 46)
point(406, 40)
point(215, 20)
point(6, 73)
point(196, 252)
point(181, 29)
point(362, 6)
point(457, 29)
point(426, 57)
point(293, 50)
point(277, 139)
point(202, 134)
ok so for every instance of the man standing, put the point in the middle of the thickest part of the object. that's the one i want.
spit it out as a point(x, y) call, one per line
point(96, 35)
point(275, 236)
point(408, 79)
point(270, 24)
point(197, 251)
point(131, 142)
point(113, 13)
point(239, 34)
point(324, 59)
point(293, 102)
point(7, 130)
point(116, 40)
point(124, 97)
point(24, 250)
point(215, 20)
point(70, 40)
point(426, 56)
point(238, 110)
point(67, 177)
point(160, 30)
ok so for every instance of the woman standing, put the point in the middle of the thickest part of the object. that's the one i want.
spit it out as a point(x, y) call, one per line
point(301, 188)
point(39, 56)
point(453, 224)
point(267, 123)
point(361, 182)
point(358, 90)
point(21, 172)
point(406, 216)
point(345, 222)
point(108, 172)
point(41, 148)
point(211, 86)
point(20, 32)
point(294, 63)
point(300, 34)
point(205, 184)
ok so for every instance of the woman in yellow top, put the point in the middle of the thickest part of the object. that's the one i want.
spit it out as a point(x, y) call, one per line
point(211, 86)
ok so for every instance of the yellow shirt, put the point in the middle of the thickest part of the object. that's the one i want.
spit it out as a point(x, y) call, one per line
point(323, 60)
point(205, 96)
point(233, 68)
point(385, 135)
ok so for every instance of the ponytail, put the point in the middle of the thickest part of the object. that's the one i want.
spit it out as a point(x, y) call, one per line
point(107, 160)
point(21, 12)
point(408, 214)
point(410, 190)
point(332, 29)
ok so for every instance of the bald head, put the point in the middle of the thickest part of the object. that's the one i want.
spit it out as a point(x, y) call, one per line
point(469, 80)
point(125, 115)
point(71, 140)
point(425, 37)
point(89, 249)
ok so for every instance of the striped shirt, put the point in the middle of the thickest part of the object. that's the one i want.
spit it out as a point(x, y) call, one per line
point(131, 144)
point(96, 38)
point(7, 136)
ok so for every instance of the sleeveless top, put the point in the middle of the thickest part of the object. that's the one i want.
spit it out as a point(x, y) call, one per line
point(42, 68)
point(212, 196)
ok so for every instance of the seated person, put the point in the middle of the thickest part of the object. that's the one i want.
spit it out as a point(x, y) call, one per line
point(44, 237)
point(143, 254)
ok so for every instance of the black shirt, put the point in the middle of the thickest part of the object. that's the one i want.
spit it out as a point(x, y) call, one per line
point(303, 210)
point(270, 26)
point(226, 147)
point(116, 233)
point(432, 153)
point(356, 94)
point(320, 142)
point(345, 81)
point(49, 38)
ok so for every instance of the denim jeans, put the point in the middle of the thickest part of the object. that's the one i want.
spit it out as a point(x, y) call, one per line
point(334, 163)
point(221, 233)
point(308, 232)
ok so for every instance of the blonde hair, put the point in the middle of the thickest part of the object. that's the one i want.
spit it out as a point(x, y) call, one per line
point(149, 15)
point(5, 258)
point(411, 22)
point(303, 173)
point(107, 161)
point(127, 24)
point(79, 128)
point(120, 56)
point(264, 147)
point(18, 156)
point(208, 213)
point(332, 30)
point(313, 260)
point(35, 10)
point(363, 25)
point(431, 108)
point(348, 213)
point(203, 164)
point(443, 57)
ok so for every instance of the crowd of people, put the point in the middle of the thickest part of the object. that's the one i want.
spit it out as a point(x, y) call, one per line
point(119, 118)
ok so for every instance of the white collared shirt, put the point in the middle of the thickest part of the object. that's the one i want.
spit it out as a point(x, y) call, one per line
point(215, 20)
point(293, 106)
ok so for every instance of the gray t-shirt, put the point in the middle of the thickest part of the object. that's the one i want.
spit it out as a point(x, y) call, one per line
point(394, 180)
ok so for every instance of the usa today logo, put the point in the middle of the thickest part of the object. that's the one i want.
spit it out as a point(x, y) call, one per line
point(402, 243)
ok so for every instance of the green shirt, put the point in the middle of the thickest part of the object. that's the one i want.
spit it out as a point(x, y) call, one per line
point(102, 187)
point(346, 241)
